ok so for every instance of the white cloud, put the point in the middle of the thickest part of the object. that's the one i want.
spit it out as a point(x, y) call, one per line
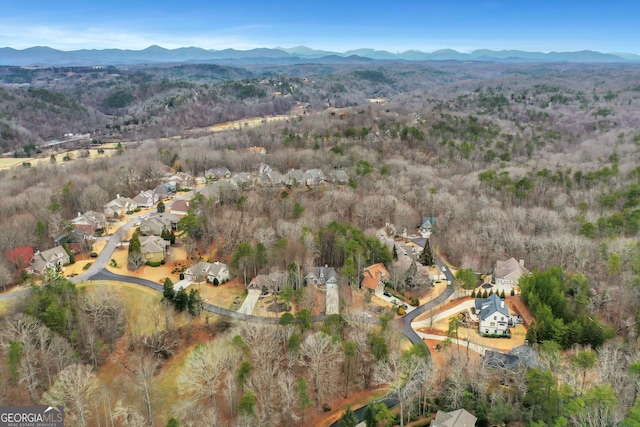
point(77, 37)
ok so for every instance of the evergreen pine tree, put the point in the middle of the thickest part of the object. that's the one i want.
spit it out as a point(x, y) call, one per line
point(348, 419)
point(425, 257)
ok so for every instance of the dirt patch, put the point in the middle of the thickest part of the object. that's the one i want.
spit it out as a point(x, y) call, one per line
point(517, 306)
point(356, 400)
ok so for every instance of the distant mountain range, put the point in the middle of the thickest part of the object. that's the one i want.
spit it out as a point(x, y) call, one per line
point(46, 56)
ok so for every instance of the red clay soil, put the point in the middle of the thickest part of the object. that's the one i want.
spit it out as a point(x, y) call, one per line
point(315, 416)
point(516, 304)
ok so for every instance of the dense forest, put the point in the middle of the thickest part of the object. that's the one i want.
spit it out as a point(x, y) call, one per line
point(533, 161)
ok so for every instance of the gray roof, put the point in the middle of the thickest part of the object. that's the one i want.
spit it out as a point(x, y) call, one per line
point(219, 172)
point(215, 189)
point(242, 179)
point(339, 176)
point(272, 178)
point(50, 256)
point(487, 306)
point(322, 274)
point(522, 355)
point(152, 244)
point(510, 266)
point(294, 176)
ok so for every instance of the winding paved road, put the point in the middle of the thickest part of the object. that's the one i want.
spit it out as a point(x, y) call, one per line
point(98, 271)
point(404, 323)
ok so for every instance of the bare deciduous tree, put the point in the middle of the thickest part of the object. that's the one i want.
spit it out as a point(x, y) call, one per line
point(75, 387)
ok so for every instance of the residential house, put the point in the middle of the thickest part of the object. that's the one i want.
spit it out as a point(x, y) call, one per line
point(20, 257)
point(155, 222)
point(51, 258)
point(320, 275)
point(507, 273)
point(428, 223)
point(182, 181)
point(119, 206)
point(217, 173)
point(523, 355)
point(494, 315)
point(220, 190)
point(243, 180)
point(314, 177)
point(153, 248)
point(90, 223)
point(165, 190)
point(274, 282)
point(264, 168)
point(207, 271)
point(374, 277)
point(270, 179)
point(338, 177)
point(180, 207)
point(457, 418)
point(294, 178)
point(146, 199)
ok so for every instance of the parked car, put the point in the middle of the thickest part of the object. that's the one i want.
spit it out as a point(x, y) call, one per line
point(93, 255)
point(386, 294)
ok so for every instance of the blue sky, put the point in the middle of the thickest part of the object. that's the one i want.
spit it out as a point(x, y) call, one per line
point(396, 26)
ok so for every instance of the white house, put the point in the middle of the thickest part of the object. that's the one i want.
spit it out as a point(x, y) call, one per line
point(494, 315)
point(146, 199)
point(508, 272)
point(119, 206)
point(207, 271)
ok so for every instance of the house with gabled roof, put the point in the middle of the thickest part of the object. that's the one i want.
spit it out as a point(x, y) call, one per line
point(338, 176)
point(146, 198)
point(270, 179)
point(258, 150)
point(219, 189)
point(153, 248)
point(524, 356)
point(320, 275)
point(428, 223)
point(264, 168)
point(51, 258)
point(207, 271)
point(182, 181)
point(374, 277)
point(180, 207)
point(274, 282)
point(494, 315)
point(457, 418)
point(243, 180)
point(294, 178)
point(217, 173)
point(507, 273)
point(90, 223)
point(119, 206)
point(314, 177)
point(155, 222)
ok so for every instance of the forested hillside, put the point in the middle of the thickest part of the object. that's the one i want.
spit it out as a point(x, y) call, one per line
point(538, 162)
